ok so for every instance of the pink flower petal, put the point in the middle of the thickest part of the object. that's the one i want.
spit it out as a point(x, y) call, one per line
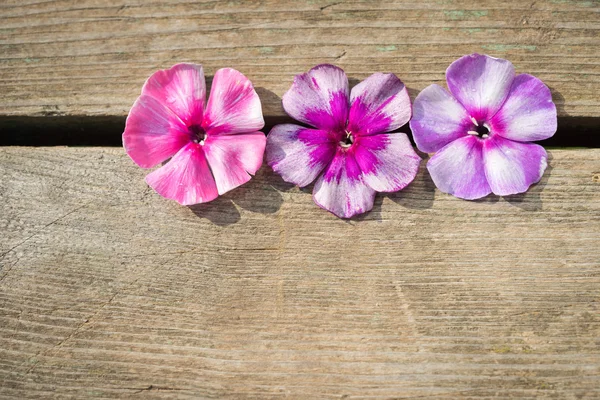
point(319, 98)
point(511, 167)
point(481, 83)
point(233, 157)
point(233, 105)
point(379, 104)
point(153, 133)
point(299, 154)
point(341, 188)
point(180, 88)
point(528, 113)
point(388, 161)
point(438, 119)
point(186, 178)
point(458, 169)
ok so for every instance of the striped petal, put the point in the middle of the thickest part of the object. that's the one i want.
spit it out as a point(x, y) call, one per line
point(458, 169)
point(379, 104)
point(233, 105)
point(528, 113)
point(233, 157)
point(438, 119)
point(153, 133)
point(319, 98)
point(299, 154)
point(481, 83)
point(186, 178)
point(511, 167)
point(341, 189)
point(182, 89)
point(388, 161)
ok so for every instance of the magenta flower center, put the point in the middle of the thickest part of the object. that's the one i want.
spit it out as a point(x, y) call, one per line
point(197, 134)
point(347, 139)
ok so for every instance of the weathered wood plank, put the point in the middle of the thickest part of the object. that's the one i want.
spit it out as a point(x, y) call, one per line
point(90, 57)
point(107, 290)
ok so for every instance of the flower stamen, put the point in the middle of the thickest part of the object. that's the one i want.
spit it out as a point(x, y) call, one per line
point(197, 134)
point(347, 140)
point(480, 130)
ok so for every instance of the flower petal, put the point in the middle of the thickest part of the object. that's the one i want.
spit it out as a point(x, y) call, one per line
point(233, 105)
point(438, 119)
point(458, 169)
point(299, 154)
point(186, 178)
point(153, 133)
point(379, 104)
point(511, 167)
point(181, 88)
point(341, 188)
point(481, 83)
point(528, 113)
point(233, 157)
point(388, 161)
point(319, 98)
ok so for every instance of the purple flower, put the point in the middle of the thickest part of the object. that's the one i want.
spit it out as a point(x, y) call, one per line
point(348, 150)
point(480, 131)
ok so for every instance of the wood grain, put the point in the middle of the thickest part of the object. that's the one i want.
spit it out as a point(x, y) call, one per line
point(91, 57)
point(109, 291)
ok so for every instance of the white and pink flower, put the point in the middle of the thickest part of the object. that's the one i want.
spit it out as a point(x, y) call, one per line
point(213, 147)
point(347, 147)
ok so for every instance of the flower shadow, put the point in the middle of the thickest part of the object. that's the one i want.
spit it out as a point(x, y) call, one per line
point(259, 197)
point(352, 82)
point(420, 193)
point(279, 184)
point(221, 211)
point(372, 215)
point(272, 108)
point(259, 194)
point(559, 101)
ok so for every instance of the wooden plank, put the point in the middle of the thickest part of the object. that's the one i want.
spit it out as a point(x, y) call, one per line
point(91, 57)
point(108, 290)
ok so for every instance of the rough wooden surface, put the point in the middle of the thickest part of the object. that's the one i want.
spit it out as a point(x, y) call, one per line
point(91, 57)
point(108, 290)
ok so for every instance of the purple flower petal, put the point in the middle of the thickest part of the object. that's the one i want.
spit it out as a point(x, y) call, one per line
point(341, 188)
point(438, 118)
point(458, 169)
point(511, 167)
point(233, 105)
point(233, 157)
point(528, 113)
point(299, 154)
point(319, 98)
point(153, 133)
point(186, 178)
point(379, 104)
point(180, 88)
point(481, 83)
point(388, 161)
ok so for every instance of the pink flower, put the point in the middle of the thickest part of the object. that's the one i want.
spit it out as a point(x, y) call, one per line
point(212, 148)
point(347, 151)
point(481, 129)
